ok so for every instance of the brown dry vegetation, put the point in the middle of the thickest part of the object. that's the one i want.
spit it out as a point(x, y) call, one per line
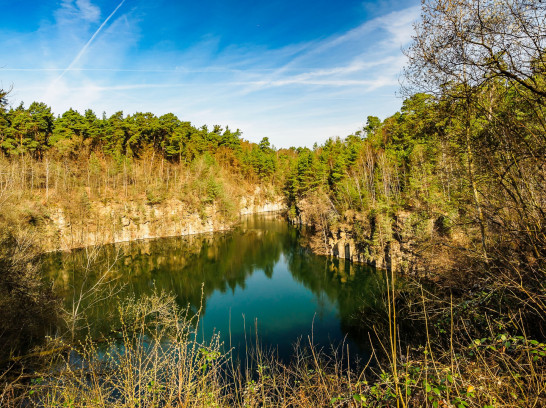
point(83, 192)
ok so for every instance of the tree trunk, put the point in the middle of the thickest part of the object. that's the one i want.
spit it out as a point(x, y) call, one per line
point(472, 179)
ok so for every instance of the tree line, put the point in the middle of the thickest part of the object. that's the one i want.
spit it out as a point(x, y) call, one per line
point(36, 132)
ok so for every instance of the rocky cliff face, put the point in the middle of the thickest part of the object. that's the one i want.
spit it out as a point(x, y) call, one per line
point(249, 205)
point(391, 243)
point(391, 247)
point(119, 222)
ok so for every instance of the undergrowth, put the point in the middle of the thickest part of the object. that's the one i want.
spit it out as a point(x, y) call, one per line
point(154, 357)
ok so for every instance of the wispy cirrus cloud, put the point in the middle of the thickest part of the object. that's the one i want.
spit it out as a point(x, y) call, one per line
point(78, 9)
point(294, 94)
point(90, 13)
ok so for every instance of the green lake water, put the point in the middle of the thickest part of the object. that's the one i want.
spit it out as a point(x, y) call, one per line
point(255, 276)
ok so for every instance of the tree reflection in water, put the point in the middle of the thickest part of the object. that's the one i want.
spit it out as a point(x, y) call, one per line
point(257, 271)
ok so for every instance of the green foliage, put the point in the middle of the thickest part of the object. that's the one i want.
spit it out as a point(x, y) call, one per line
point(261, 159)
point(155, 195)
point(27, 131)
point(36, 131)
point(214, 190)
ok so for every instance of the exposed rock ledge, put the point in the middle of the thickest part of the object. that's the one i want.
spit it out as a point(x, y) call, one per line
point(120, 222)
point(384, 243)
point(397, 253)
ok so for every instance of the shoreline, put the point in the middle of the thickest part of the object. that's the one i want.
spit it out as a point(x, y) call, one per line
point(73, 237)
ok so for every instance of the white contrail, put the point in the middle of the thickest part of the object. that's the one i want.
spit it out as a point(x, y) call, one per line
point(86, 46)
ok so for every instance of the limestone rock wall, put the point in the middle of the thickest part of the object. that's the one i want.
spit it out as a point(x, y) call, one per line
point(395, 250)
point(119, 222)
point(389, 244)
point(250, 206)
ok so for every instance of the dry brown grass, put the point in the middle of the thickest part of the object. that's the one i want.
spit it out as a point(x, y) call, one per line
point(156, 358)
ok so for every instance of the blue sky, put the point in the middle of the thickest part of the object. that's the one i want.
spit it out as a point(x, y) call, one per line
point(295, 71)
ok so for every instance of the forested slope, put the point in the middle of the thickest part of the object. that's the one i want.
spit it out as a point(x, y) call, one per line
point(79, 179)
point(454, 183)
point(453, 189)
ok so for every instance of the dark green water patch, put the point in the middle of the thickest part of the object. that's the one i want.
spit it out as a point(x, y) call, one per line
point(256, 276)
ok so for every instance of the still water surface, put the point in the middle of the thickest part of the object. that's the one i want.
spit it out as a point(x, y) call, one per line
point(256, 276)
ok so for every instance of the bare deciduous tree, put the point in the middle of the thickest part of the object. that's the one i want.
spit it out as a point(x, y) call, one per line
point(474, 41)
